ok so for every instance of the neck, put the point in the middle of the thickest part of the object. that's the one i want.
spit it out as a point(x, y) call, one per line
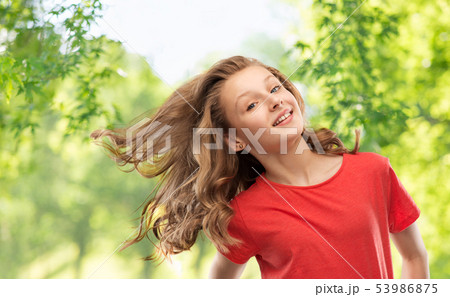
point(298, 166)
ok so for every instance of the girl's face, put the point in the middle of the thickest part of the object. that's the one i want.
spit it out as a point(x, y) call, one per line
point(254, 98)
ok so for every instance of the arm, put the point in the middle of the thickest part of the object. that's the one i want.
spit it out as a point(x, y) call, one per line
point(224, 268)
point(410, 245)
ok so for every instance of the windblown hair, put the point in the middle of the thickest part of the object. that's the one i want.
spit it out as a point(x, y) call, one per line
point(196, 188)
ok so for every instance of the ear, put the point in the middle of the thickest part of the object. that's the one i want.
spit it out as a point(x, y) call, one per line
point(234, 143)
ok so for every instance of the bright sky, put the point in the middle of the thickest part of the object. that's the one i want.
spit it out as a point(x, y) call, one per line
point(174, 35)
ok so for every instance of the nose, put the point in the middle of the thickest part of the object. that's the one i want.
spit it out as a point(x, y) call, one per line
point(275, 102)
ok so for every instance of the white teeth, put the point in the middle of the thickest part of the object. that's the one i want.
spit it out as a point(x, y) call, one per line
point(282, 118)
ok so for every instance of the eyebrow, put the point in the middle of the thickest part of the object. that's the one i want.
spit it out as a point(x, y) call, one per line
point(247, 92)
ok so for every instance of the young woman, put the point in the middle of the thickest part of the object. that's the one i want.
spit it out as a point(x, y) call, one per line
point(293, 197)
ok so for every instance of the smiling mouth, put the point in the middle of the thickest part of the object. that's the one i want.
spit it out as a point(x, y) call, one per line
point(279, 122)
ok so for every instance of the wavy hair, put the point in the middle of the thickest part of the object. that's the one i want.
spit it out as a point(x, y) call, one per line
point(195, 189)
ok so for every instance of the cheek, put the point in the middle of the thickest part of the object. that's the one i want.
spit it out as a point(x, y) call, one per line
point(256, 122)
point(251, 126)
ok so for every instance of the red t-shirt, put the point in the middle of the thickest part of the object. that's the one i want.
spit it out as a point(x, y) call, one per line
point(339, 228)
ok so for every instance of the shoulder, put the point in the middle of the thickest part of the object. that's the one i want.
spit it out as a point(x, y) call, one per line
point(369, 157)
point(248, 194)
point(372, 156)
point(242, 202)
point(241, 205)
point(369, 160)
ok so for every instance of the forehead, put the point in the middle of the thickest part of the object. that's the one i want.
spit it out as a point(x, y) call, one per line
point(251, 78)
point(240, 80)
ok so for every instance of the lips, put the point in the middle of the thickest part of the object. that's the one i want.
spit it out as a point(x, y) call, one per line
point(282, 114)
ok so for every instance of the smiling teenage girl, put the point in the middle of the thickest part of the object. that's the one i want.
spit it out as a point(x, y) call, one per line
point(294, 198)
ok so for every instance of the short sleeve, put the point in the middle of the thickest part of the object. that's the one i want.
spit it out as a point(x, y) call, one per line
point(240, 253)
point(402, 209)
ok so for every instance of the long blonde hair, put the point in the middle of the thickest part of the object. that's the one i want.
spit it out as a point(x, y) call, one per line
point(195, 189)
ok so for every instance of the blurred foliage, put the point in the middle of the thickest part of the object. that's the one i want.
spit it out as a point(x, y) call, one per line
point(64, 209)
point(40, 50)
